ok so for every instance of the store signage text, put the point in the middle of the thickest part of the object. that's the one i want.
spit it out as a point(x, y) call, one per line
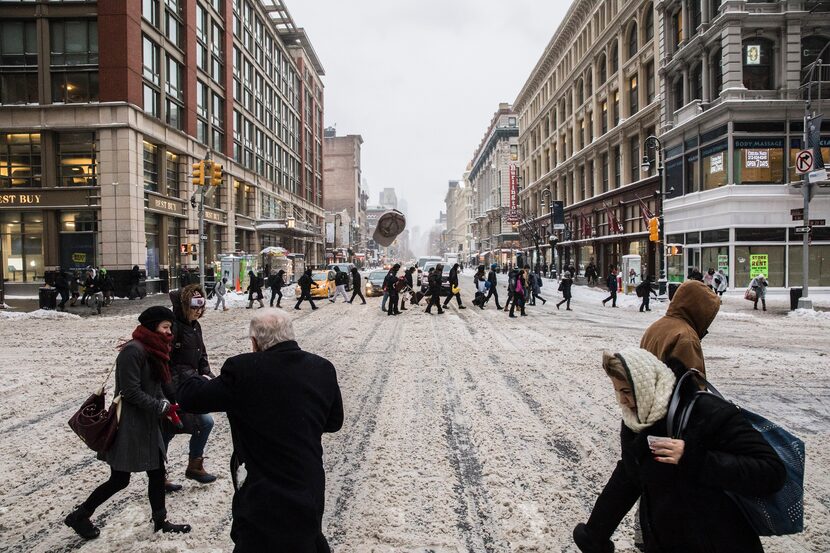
point(757, 159)
point(716, 163)
point(214, 216)
point(163, 204)
point(19, 199)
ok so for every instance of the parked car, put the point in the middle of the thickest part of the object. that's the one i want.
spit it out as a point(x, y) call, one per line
point(325, 284)
point(344, 267)
point(374, 283)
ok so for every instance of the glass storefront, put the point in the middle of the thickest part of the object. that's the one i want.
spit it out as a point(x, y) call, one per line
point(774, 261)
point(174, 256)
point(77, 239)
point(759, 160)
point(819, 272)
point(151, 231)
point(21, 241)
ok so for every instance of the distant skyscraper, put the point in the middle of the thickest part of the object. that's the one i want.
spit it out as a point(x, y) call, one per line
point(388, 198)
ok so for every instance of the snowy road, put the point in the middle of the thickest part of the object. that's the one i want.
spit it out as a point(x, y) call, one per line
point(464, 432)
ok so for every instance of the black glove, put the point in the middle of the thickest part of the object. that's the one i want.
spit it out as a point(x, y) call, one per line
point(590, 544)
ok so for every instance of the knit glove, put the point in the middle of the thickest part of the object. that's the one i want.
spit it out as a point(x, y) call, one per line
point(588, 543)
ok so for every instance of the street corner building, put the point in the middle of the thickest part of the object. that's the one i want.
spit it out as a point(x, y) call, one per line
point(104, 108)
point(718, 84)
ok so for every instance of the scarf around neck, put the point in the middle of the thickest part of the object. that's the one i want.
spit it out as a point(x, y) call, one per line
point(158, 346)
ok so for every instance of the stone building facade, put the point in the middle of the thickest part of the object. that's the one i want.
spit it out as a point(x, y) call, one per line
point(105, 106)
point(343, 186)
point(584, 113)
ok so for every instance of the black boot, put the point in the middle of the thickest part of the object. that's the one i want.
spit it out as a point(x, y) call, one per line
point(160, 523)
point(79, 521)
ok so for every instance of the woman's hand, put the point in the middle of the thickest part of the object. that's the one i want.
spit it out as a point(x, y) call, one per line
point(668, 451)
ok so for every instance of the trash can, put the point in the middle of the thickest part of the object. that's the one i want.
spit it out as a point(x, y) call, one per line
point(661, 287)
point(795, 295)
point(673, 286)
point(47, 298)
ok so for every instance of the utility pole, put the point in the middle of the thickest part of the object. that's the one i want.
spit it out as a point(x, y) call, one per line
point(205, 173)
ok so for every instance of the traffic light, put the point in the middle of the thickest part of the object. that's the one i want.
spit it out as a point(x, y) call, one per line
point(654, 229)
point(215, 174)
point(674, 250)
point(198, 176)
point(192, 248)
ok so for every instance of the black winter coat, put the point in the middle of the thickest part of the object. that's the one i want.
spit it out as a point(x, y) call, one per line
point(135, 276)
point(683, 508)
point(565, 287)
point(305, 283)
point(279, 403)
point(491, 277)
point(453, 278)
point(435, 283)
point(355, 280)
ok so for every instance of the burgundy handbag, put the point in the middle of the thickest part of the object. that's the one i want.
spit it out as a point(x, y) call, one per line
point(93, 423)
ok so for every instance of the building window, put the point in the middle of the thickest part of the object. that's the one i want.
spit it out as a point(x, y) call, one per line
point(615, 58)
point(151, 232)
point(152, 77)
point(649, 30)
point(151, 167)
point(697, 82)
point(604, 158)
point(695, 15)
point(22, 237)
point(20, 160)
point(759, 160)
point(77, 159)
point(604, 116)
point(172, 177)
point(650, 83)
point(692, 172)
point(632, 41)
point(633, 100)
point(757, 65)
point(616, 95)
point(677, 29)
point(150, 11)
point(174, 226)
point(173, 23)
point(74, 60)
point(602, 70)
point(174, 102)
point(634, 149)
point(717, 74)
point(617, 166)
point(715, 165)
point(677, 93)
point(18, 59)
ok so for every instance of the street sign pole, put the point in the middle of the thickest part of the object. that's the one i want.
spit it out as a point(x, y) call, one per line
point(806, 189)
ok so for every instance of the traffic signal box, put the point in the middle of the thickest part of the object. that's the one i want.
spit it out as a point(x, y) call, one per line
point(216, 172)
point(654, 229)
point(198, 176)
point(672, 250)
point(187, 248)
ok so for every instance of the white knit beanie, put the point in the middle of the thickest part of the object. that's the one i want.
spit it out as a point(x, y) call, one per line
point(653, 384)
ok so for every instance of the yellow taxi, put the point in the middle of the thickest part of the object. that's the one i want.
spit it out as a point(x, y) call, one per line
point(325, 284)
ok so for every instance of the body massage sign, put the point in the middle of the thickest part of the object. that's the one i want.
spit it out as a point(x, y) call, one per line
point(758, 265)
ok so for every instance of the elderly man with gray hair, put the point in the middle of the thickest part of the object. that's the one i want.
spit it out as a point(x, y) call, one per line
point(279, 400)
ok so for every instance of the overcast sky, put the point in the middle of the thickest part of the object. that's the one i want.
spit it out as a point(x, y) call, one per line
point(420, 81)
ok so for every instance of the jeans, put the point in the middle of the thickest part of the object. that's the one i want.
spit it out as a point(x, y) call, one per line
point(644, 304)
point(199, 439)
point(493, 292)
point(385, 299)
point(612, 296)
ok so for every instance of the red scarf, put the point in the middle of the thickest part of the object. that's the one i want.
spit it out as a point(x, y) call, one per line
point(158, 346)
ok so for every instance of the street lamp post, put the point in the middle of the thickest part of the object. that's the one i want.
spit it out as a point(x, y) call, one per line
point(654, 142)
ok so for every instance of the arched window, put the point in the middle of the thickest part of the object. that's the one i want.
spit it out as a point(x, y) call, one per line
point(649, 23)
point(632, 41)
point(757, 64)
point(589, 84)
point(615, 59)
point(697, 82)
point(602, 69)
point(580, 92)
point(677, 93)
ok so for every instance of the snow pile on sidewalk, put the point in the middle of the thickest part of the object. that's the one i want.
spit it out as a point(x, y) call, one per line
point(39, 314)
point(809, 314)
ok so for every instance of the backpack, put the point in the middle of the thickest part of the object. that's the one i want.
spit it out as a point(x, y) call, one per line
point(777, 514)
point(511, 284)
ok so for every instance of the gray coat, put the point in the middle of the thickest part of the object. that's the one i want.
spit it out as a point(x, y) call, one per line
point(760, 286)
point(138, 445)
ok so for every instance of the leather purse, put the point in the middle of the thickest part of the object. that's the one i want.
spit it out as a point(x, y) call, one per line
point(95, 425)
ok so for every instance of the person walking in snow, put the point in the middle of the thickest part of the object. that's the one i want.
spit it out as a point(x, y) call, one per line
point(305, 283)
point(709, 279)
point(644, 290)
point(434, 282)
point(135, 280)
point(721, 283)
point(356, 291)
point(565, 286)
point(219, 291)
point(480, 283)
point(142, 366)
point(492, 291)
point(62, 287)
point(341, 279)
point(759, 285)
point(518, 292)
point(409, 286)
point(611, 284)
point(536, 288)
point(74, 288)
point(389, 284)
point(276, 282)
point(254, 290)
point(93, 293)
point(455, 289)
point(679, 513)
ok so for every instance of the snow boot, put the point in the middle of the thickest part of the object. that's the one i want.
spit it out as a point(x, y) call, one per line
point(171, 487)
point(160, 523)
point(196, 471)
point(79, 521)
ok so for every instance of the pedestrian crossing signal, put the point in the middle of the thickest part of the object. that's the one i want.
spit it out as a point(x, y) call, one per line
point(192, 248)
point(198, 176)
point(182, 248)
point(674, 250)
point(654, 229)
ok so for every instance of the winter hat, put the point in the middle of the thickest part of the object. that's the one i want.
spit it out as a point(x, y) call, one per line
point(653, 384)
point(152, 316)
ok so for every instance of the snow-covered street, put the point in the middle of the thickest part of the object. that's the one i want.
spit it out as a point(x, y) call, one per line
point(464, 432)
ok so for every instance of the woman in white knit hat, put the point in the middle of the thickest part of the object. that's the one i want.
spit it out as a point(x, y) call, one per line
point(681, 484)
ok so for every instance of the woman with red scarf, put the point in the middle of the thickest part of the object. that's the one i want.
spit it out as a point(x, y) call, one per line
point(140, 369)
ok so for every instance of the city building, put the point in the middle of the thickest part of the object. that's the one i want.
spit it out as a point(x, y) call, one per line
point(388, 198)
point(494, 180)
point(458, 236)
point(98, 132)
point(732, 123)
point(343, 184)
point(584, 113)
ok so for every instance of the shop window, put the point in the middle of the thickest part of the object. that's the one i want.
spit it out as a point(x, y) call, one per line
point(18, 57)
point(77, 221)
point(674, 177)
point(77, 239)
point(795, 147)
point(632, 41)
point(760, 234)
point(714, 236)
point(173, 253)
point(757, 64)
point(172, 174)
point(692, 175)
point(20, 161)
point(715, 166)
point(819, 268)
point(151, 167)
point(74, 60)
point(151, 234)
point(77, 159)
point(759, 160)
point(714, 258)
point(21, 234)
point(772, 257)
